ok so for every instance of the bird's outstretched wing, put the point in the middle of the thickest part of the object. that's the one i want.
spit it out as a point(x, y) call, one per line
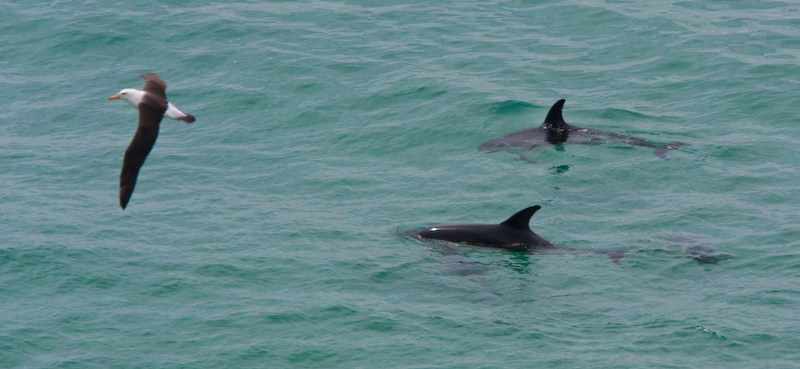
point(151, 111)
point(153, 84)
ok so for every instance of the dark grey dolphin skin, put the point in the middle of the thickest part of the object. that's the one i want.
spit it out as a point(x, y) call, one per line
point(512, 234)
point(704, 254)
point(556, 131)
point(689, 246)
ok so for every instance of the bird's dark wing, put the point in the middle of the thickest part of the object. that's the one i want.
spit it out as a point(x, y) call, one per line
point(151, 111)
point(155, 85)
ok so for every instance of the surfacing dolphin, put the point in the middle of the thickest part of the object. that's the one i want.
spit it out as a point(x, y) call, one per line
point(689, 246)
point(556, 131)
point(512, 234)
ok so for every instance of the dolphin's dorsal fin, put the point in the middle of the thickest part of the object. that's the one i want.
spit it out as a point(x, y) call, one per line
point(521, 219)
point(554, 118)
point(555, 126)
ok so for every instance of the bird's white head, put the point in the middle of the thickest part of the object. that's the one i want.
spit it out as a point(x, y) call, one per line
point(132, 96)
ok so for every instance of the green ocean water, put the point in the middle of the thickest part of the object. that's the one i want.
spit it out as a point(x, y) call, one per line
point(268, 233)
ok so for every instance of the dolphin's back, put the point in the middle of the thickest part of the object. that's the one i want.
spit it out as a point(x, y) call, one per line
point(525, 139)
point(492, 235)
point(474, 234)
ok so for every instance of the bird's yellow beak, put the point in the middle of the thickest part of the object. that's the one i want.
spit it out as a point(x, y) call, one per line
point(117, 96)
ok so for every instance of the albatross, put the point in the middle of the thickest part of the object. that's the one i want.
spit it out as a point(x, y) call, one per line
point(153, 106)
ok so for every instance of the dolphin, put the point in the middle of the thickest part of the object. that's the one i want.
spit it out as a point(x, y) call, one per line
point(556, 131)
point(512, 234)
point(689, 246)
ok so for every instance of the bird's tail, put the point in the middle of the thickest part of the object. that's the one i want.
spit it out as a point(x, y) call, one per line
point(186, 118)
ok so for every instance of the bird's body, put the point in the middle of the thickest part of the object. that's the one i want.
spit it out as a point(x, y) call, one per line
point(153, 106)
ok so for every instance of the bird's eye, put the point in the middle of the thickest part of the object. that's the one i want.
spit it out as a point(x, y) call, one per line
point(124, 93)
